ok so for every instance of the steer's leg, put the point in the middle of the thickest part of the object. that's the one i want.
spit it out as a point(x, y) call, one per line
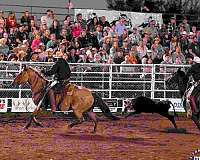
point(170, 117)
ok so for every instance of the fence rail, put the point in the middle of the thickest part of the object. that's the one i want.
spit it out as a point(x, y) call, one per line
point(112, 82)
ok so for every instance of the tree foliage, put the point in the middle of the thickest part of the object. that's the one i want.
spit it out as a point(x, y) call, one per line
point(163, 6)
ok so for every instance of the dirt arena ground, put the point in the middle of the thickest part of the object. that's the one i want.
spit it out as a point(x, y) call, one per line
point(143, 137)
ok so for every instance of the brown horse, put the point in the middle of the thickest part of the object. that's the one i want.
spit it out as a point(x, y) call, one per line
point(82, 99)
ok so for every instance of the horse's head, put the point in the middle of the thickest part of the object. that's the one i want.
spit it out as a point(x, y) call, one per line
point(22, 77)
point(179, 79)
point(175, 78)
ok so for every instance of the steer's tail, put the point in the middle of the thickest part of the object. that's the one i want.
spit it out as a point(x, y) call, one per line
point(175, 114)
point(98, 101)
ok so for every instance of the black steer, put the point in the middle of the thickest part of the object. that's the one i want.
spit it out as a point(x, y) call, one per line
point(147, 105)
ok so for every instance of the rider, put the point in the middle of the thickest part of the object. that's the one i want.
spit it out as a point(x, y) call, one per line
point(61, 72)
point(194, 71)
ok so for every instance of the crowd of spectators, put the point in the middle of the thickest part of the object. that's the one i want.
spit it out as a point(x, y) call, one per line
point(96, 40)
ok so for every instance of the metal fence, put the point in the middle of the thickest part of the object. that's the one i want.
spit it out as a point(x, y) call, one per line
point(113, 82)
point(109, 80)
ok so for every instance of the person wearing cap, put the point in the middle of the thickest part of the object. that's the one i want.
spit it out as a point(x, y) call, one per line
point(192, 92)
point(135, 36)
point(61, 72)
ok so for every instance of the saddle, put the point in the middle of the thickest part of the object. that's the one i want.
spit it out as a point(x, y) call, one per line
point(65, 91)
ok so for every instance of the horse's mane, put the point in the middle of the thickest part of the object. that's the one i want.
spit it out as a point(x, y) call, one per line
point(183, 76)
point(37, 72)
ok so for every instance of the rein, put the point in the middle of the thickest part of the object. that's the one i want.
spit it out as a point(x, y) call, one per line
point(33, 83)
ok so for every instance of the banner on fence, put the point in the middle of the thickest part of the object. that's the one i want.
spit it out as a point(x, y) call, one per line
point(22, 105)
point(3, 105)
point(178, 104)
point(135, 18)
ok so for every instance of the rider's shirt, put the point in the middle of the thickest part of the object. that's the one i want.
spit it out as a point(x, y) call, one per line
point(60, 70)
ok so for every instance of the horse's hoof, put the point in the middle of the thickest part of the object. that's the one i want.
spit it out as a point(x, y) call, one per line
point(40, 125)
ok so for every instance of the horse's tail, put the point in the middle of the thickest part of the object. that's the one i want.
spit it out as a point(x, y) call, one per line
point(175, 114)
point(98, 101)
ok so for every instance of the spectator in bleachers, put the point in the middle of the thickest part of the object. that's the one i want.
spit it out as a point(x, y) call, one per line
point(21, 34)
point(64, 34)
point(151, 29)
point(48, 19)
point(2, 16)
point(103, 22)
point(186, 25)
point(195, 46)
point(184, 41)
point(45, 38)
point(141, 49)
point(77, 39)
point(26, 18)
point(135, 36)
point(4, 48)
point(55, 28)
point(178, 56)
point(76, 30)
point(120, 26)
point(174, 43)
point(68, 20)
point(114, 48)
point(79, 19)
point(93, 24)
point(126, 69)
point(36, 42)
point(11, 21)
point(53, 42)
point(157, 51)
point(194, 30)
point(98, 33)
point(33, 26)
point(133, 55)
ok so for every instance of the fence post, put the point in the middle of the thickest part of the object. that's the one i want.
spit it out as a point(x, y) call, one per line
point(110, 81)
point(20, 88)
point(153, 81)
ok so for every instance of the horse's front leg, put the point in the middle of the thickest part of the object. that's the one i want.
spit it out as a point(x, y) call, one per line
point(33, 118)
point(29, 122)
point(35, 113)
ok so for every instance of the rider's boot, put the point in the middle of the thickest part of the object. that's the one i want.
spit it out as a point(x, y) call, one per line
point(193, 104)
point(52, 100)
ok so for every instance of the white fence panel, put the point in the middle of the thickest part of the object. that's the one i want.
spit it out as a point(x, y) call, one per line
point(110, 81)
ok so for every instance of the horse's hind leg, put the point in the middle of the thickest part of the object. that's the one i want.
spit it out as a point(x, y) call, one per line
point(170, 117)
point(195, 120)
point(79, 119)
point(93, 116)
